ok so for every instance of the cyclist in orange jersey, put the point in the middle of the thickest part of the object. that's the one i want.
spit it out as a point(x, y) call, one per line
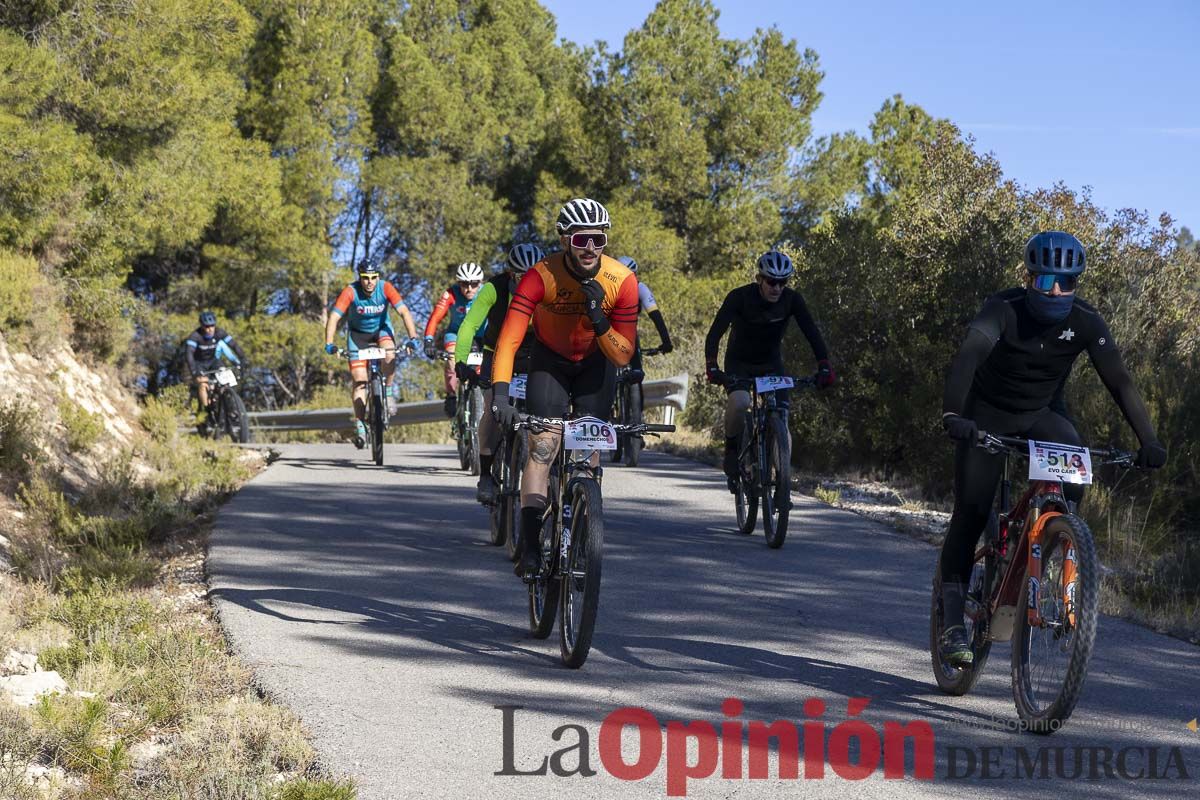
point(584, 307)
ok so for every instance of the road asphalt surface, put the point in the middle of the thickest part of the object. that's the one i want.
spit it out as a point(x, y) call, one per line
point(369, 600)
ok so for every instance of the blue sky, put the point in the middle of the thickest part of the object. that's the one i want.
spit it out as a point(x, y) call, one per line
point(1102, 94)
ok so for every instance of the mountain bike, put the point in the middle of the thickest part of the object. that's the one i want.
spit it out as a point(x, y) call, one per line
point(765, 456)
point(377, 407)
point(1035, 581)
point(226, 413)
point(465, 427)
point(627, 410)
point(572, 536)
point(507, 465)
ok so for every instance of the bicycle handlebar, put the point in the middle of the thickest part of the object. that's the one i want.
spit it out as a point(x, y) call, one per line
point(546, 423)
point(1020, 446)
point(807, 381)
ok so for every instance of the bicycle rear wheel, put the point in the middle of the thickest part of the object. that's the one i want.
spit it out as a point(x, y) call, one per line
point(512, 493)
point(617, 454)
point(544, 591)
point(776, 482)
point(580, 599)
point(1050, 662)
point(950, 679)
point(633, 443)
point(496, 513)
point(745, 499)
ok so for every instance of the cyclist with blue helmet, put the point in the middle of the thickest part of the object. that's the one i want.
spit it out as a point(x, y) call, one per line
point(1008, 379)
point(205, 346)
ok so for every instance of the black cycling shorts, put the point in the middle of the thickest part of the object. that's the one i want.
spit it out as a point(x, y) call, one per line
point(556, 382)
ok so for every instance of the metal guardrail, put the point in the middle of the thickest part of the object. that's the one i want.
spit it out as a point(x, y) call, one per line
point(671, 393)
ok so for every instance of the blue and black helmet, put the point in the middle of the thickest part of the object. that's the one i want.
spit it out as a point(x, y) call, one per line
point(1055, 253)
point(207, 318)
point(629, 262)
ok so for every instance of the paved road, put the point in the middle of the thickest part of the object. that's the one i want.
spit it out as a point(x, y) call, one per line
point(369, 600)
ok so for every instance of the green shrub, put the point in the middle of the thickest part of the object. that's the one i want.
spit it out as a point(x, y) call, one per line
point(84, 428)
point(19, 439)
point(302, 789)
point(102, 312)
point(19, 275)
point(160, 420)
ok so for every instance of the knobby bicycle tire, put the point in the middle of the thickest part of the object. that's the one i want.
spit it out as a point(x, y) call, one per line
point(376, 410)
point(633, 444)
point(474, 413)
point(956, 680)
point(1059, 533)
point(237, 424)
point(776, 481)
point(745, 499)
point(544, 591)
point(516, 465)
point(496, 514)
point(580, 595)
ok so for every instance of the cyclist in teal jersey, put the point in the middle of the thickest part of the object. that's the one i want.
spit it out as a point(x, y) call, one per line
point(366, 302)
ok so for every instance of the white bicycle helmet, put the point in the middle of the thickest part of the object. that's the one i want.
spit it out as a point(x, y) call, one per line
point(469, 271)
point(774, 264)
point(522, 258)
point(629, 262)
point(582, 213)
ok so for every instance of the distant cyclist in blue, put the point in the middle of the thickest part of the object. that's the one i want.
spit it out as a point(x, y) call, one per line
point(205, 346)
point(366, 302)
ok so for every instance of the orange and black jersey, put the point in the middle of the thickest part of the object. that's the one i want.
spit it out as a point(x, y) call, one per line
point(553, 298)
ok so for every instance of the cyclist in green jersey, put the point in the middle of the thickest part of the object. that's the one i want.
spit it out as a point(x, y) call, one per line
point(487, 311)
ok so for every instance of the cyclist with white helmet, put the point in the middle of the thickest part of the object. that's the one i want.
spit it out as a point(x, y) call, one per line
point(584, 308)
point(454, 301)
point(758, 313)
point(487, 314)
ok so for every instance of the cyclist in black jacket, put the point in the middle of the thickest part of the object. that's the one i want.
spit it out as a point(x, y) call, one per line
point(205, 346)
point(759, 313)
point(1008, 379)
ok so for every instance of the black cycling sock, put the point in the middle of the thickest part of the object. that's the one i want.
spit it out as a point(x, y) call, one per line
point(531, 525)
point(954, 599)
point(485, 464)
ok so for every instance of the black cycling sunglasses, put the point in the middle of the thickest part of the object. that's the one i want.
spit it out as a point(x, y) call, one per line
point(777, 283)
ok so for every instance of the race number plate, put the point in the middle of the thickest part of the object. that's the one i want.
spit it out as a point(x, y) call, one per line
point(589, 433)
point(1050, 461)
point(771, 383)
point(225, 377)
point(370, 354)
point(474, 359)
point(516, 387)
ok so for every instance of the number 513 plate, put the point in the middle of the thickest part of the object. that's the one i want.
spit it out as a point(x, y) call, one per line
point(1051, 461)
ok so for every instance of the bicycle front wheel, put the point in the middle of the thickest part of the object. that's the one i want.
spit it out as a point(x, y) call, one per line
point(474, 414)
point(776, 482)
point(236, 423)
point(376, 419)
point(581, 580)
point(1050, 661)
